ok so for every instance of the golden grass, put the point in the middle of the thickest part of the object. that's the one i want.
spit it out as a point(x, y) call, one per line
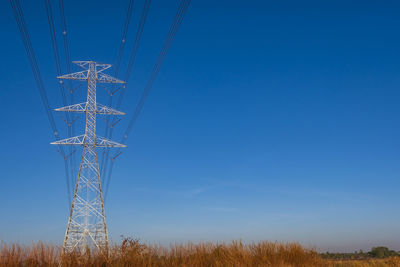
point(132, 253)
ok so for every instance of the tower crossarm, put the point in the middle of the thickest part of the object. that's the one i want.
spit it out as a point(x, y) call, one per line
point(80, 140)
point(103, 142)
point(99, 66)
point(80, 76)
point(104, 78)
point(82, 108)
point(76, 140)
point(83, 76)
point(104, 110)
point(84, 64)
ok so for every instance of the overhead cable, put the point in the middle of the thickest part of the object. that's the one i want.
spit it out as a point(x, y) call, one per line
point(104, 159)
point(180, 14)
point(25, 37)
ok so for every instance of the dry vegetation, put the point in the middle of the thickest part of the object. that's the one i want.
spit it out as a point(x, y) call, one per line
point(132, 253)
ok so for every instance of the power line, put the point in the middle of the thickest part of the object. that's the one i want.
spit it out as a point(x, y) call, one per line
point(64, 33)
point(109, 131)
point(157, 66)
point(124, 34)
point(135, 47)
point(180, 14)
point(71, 91)
point(25, 37)
point(117, 66)
point(56, 55)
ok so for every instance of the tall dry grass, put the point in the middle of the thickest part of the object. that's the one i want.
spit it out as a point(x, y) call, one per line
point(132, 253)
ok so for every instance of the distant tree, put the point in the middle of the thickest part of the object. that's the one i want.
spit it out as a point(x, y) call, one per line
point(381, 252)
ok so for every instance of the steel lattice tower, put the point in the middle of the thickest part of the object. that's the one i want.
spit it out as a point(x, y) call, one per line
point(87, 222)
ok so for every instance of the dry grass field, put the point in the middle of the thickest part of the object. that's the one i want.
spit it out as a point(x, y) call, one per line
point(132, 253)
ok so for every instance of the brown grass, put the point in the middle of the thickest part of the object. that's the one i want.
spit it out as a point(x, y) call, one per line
point(132, 253)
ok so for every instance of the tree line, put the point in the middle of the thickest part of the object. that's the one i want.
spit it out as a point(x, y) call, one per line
point(376, 252)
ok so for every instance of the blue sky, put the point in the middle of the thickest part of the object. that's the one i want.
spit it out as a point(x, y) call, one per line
point(268, 121)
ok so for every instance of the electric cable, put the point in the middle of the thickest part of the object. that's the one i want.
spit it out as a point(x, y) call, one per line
point(180, 14)
point(25, 37)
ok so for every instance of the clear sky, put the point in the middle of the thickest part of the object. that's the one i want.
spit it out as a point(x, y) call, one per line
point(270, 120)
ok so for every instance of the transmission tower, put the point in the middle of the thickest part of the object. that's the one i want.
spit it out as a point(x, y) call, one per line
point(87, 222)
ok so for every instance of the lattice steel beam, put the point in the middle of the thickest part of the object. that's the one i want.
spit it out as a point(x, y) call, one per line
point(82, 108)
point(87, 221)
